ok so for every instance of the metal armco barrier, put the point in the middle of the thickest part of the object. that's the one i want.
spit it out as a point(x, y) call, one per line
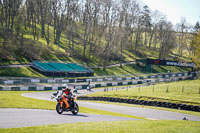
point(119, 83)
point(21, 81)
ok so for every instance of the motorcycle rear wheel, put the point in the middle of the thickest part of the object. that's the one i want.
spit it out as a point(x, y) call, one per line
point(59, 109)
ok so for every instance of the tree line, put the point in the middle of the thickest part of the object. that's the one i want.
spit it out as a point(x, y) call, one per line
point(105, 28)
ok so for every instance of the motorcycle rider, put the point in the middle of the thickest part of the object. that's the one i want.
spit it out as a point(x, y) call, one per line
point(88, 86)
point(75, 90)
point(67, 91)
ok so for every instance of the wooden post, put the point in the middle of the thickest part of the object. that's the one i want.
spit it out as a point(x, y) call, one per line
point(167, 90)
point(153, 89)
point(182, 89)
point(199, 89)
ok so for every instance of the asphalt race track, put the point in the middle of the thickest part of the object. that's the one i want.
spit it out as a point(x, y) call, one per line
point(136, 111)
point(13, 118)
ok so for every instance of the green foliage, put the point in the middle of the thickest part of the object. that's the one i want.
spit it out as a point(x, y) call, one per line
point(196, 45)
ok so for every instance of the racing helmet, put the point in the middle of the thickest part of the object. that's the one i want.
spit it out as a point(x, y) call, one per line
point(64, 87)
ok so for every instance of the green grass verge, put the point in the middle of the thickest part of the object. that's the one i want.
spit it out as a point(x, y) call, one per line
point(166, 92)
point(13, 99)
point(20, 72)
point(162, 126)
point(126, 69)
point(136, 70)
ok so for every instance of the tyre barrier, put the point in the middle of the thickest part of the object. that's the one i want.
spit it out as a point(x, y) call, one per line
point(143, 102)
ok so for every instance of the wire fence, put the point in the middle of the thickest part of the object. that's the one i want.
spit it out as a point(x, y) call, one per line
point(185, 89)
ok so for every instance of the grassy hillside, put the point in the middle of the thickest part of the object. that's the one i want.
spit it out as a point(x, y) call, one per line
point(20, 72)
point(28, 50)
point(36, 48)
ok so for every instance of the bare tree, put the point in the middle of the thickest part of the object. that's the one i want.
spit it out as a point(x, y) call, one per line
point(181, 35)
point(72, 14)
point(110, 17)
point(9, 9)
point(156, 18)
point(138, 32)
point(167, 39)
point(125, 22)
point(87, 22)
point(48, 21)
point(59, 17)
point(32, 17)
point(146, 23)
point(42, 10)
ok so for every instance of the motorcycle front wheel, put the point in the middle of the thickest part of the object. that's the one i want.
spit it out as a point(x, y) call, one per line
point(59, 109)
point(76, 109)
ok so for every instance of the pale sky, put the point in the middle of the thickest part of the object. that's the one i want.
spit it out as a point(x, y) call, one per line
point(175, 9)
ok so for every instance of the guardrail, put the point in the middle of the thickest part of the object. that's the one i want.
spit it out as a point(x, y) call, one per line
point(108, 84)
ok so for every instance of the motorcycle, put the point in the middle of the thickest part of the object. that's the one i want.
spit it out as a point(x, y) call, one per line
point(75, 90)
point(65, 103)
point(89, 88)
